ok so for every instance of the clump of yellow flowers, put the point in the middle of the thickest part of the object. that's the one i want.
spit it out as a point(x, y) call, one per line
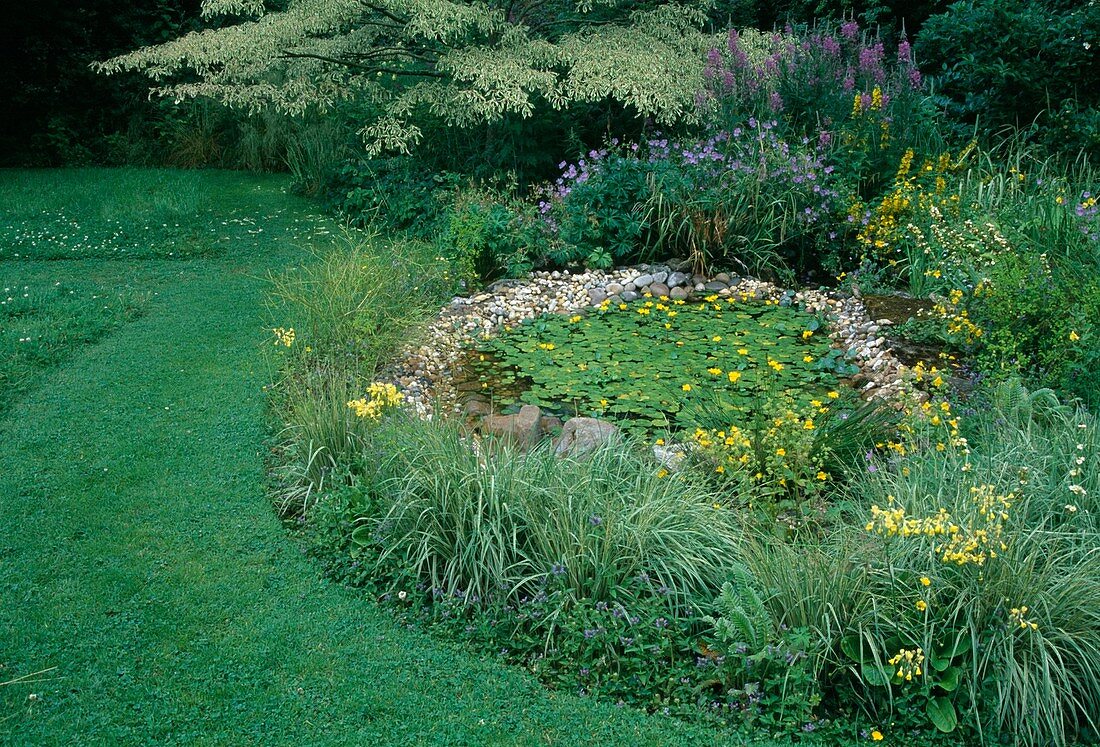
point(380, 397)
point(284, 337)
point(921, 189)
point(1017, 619)
point(970, 541)
point(909, 663)
point(778, 454)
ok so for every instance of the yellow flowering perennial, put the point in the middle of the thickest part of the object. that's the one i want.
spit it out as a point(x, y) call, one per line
point(1017, 619)
point(909, 663)
point(974, 541)
point(284, 337)
point(380, 397)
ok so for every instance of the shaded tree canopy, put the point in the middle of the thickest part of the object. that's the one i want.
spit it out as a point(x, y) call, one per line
point(47, 87)
point(463, 62)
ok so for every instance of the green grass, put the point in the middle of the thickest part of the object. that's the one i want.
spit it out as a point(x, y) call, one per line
point(141, 214)
point(141, 564)
point(43, 323)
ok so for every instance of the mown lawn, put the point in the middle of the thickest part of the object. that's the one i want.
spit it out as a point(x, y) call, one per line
point(148, 594)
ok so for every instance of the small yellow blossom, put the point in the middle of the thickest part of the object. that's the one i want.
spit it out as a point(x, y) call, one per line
point(686, 387)
point(284, 337)
point(734, 376)
point(876, 736)
point(1073, 336)
point(925, 581)
point(921, 605)
point(714, 371)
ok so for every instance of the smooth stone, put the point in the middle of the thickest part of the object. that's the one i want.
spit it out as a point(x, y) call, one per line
point(714, 286)
point(678, 294)
point(629, 287)
point(613, 289)
point(521, 428)
point(629, 296)
point(659, 290)
point(660, 277)
point(596, 296)
point(580, 436)
point(643, 280)
point(669, 457)
point(677, 278)
point(477, 407)
point(722, 277)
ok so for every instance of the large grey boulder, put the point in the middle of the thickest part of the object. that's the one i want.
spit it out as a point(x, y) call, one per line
point(580, 436)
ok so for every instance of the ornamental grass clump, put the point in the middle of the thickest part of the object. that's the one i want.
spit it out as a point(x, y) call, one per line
point(480, 519)
point(981, 560)
point(342, 316)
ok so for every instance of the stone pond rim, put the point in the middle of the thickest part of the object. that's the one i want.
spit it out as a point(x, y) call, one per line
point(430, 372)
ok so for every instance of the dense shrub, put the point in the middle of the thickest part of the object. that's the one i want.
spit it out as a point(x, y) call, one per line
point(1018, 64)
point(488, 234)
point(398, 193)
point(742, 198)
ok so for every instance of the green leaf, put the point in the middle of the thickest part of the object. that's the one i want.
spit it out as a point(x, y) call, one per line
point(949, 679)
point(875, 675)
point(850, 645)
point(362, 535)
point(941, 712)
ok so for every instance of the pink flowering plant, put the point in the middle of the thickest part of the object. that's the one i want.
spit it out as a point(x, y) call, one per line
point(860, 100)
